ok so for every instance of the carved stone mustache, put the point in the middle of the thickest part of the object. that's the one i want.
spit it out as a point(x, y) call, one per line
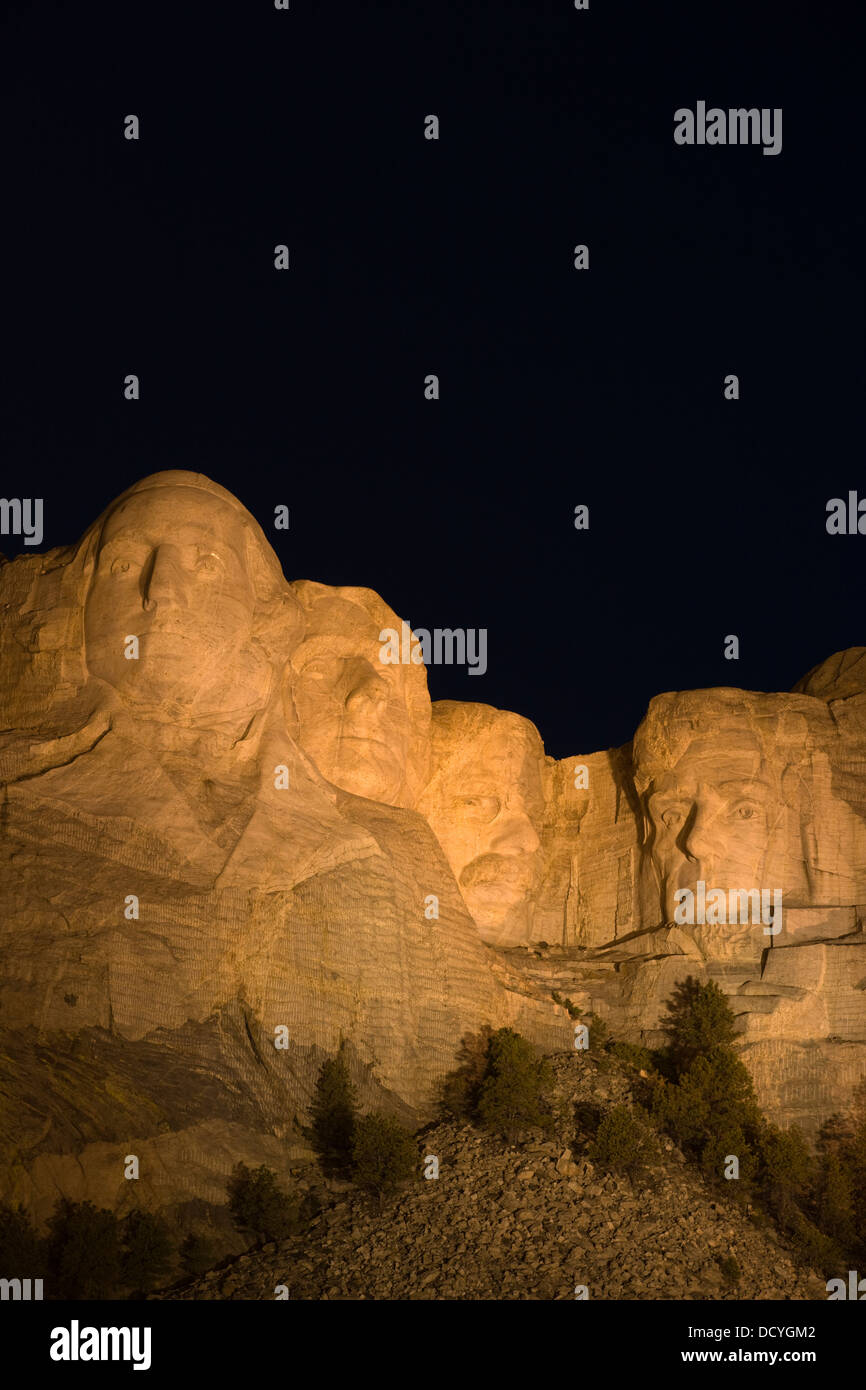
point(516, 870)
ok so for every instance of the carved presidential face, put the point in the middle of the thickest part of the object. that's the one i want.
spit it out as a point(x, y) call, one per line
point(744, 790)
point(714, 815)
point(353, 718)
point(485, 806)
point(364, 723)
point(171, 570)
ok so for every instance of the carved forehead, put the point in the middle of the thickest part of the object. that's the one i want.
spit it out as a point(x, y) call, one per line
point(348, 624)
point(694, 730)
point(478, 738)
point(346, 621)
point(705, 757)
point(175, 513)
point(344, 609)
point(187, 507)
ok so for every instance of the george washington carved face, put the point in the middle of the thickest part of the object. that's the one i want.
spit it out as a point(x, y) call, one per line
point(173, 569)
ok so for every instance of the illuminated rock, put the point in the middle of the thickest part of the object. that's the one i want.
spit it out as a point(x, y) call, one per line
point(485, 803)
point(179, 881)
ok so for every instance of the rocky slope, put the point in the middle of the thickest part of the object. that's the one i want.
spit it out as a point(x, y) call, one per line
point(528, 1221)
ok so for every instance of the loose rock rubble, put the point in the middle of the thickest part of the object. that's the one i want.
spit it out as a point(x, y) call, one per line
point(533, 1220)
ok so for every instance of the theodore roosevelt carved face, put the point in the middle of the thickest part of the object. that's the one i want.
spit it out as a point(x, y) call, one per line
point(485, 805)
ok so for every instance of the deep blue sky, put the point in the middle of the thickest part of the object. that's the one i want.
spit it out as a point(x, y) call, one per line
point(407, 257)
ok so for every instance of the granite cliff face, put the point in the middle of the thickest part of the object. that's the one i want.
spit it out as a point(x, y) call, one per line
point(192, 915)
point(232, 836)
point(666, 858)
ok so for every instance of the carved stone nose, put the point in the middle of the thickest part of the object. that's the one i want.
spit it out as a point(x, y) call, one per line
point(162, 580)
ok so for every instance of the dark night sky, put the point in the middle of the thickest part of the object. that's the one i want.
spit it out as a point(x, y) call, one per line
point(707, 517)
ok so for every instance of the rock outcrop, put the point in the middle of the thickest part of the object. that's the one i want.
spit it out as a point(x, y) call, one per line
point(535, 1220)
point(192, 915)
point(232, 835)
point(728, 842)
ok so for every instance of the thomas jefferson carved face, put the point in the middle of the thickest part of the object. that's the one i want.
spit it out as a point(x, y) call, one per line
point(485, 806)
point(365, 724)
point(172, 570)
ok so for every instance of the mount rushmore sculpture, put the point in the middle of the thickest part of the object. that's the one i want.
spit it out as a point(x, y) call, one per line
point(233, 837)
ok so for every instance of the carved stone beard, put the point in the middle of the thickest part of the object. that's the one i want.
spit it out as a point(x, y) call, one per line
point(222, 710)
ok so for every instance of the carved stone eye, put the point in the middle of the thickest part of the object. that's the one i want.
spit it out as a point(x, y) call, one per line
point(745, 812)
point(480, 809)
point(319, 669)
point(119, 566)
point(671, 818)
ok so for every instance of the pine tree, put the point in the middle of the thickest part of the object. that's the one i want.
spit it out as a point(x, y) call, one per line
point(82, 1251)
point(461, 1088)
point(834, 1133)
point(258, 1206)
point(726, 1142)
point(699, 1021)
point(834, 1201)
point(715, 1095)
point(384, 1154)
point(146, 1252)
point(334, 1116)
point(623, 1143)
point(514, 1093)
point(852, 1154)
point(21, 1253)
point(787, 1170)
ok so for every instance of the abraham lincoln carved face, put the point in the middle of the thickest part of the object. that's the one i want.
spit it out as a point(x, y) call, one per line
point(743, 791)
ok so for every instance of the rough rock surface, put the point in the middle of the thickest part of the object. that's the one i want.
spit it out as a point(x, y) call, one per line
point(231, 836)
point(591, 891)
point(728, 793)
point(181, 889)
point(529, 1221)
point(841, 675)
